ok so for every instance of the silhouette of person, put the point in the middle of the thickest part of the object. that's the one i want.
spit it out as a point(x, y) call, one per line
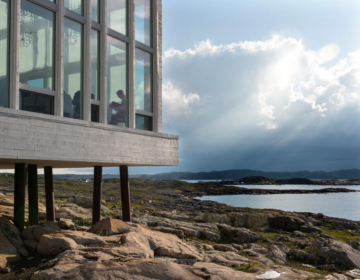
point(77, 105)
point(68, 105)
point(120, 108)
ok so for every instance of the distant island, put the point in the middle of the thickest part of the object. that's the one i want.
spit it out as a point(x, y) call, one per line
point(235, 174)
point(243, 173)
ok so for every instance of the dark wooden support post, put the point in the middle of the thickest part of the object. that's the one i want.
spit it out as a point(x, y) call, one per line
point(49, 194)
point(33, 195)
point(125, 193)
point(97, 194)
point(19, 195)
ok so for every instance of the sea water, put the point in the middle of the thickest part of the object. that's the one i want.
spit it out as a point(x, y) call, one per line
point(340, 205)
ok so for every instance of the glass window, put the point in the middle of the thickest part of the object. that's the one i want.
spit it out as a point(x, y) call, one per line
point(4, 53)
point(94, 113)
point(95, 92)
point(36, 46)
point(74, 5)
point(143, 123)
point(95, 11)
point(117, 15)
point(117, 82)
point(143, 81)
point(73, 69)
point(143, 21)
point(36, 103)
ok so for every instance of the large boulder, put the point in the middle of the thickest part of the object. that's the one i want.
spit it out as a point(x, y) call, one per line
point(31, 235)
point(8, 253)
point(277, 254)
point(11, 232)
point(54, 244)
point(109, 226)
point(335, 252)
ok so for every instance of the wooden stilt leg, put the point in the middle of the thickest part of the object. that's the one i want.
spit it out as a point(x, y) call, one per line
point(97, 194)
point(125, 193)
point(49, 194)
point(33, 195)
point(19, 195)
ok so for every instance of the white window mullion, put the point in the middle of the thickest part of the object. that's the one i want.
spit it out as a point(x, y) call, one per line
point(103, 62)
point(131, 67)
point(156, 73)
point(87, 63)
point(14, 53)
point(59, 60)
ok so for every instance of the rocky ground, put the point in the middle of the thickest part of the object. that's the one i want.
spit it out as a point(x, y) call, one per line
point(173, 236)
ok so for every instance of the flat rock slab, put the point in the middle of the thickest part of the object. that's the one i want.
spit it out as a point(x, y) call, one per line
point(159, 269)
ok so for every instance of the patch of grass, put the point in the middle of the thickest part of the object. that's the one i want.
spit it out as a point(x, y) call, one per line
point(299, 266)
point(207, 242)
point(249, 268)
point(344, 235)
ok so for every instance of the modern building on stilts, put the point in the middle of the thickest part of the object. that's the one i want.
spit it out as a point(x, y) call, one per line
point(80, 87)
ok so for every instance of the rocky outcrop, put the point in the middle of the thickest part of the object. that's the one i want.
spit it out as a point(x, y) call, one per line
point(335, 252)
point(237, 235)
point(85, 202)
point(286, 222)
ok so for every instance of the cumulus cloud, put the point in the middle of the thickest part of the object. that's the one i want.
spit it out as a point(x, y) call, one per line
point(269, 104)
point(177, 102)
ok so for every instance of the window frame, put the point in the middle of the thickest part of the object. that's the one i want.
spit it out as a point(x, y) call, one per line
point(88, 25)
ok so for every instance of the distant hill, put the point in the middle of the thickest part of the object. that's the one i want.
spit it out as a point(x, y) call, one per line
point(231, 174)
point(242, 173)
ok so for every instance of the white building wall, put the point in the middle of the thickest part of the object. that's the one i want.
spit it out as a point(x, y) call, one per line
point(65, 143)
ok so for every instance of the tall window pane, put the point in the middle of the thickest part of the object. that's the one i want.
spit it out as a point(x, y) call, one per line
point(143, 81)
point(95, 10)
point(95, 93)
point(4, 53)
point(36, 46)
point(73, 69)
point(143, 21)
point(74, 5)
point(117, 82)
point(117, 14)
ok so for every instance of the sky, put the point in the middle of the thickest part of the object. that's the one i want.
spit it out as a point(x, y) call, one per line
point(270, 85)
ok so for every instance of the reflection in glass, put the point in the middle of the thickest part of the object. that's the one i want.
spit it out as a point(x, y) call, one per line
point(117, 82)
point(36, 46)
point(94, 113)
point(143, 123)
point(4, 53)
point(143, 21)
point(95, 11)
point(74, 5)
point(95, 93)
point(73, 70)
point(116, 15)
point(143, 81)
point(36, 103)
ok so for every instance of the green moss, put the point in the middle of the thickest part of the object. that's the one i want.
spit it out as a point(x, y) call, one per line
point(344, 235)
